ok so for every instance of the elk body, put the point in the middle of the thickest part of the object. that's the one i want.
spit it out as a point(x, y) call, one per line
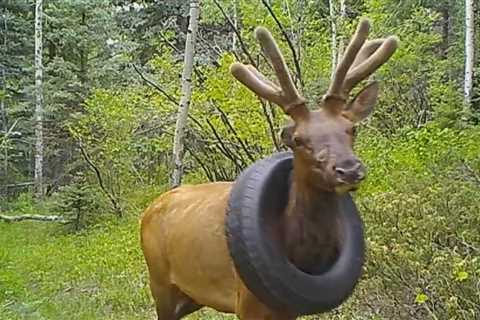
point(183, 231)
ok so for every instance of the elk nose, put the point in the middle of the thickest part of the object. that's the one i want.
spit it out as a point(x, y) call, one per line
point(350, 172)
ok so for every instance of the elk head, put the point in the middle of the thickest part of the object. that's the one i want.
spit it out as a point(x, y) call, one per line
point(322, 140)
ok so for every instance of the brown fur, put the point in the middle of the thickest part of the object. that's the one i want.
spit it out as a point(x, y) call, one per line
point(182, 232)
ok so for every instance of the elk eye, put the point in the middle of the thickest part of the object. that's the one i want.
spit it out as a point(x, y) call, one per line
point(300, 141)
point(351, 131)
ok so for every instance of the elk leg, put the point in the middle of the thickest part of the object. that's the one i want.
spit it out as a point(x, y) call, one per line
point(185, 305)
point(248, 307)
point(164, 300)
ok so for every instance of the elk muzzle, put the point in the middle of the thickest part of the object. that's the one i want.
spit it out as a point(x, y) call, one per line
point(350, 171)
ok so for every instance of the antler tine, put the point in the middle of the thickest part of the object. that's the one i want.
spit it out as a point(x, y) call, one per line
point(255, 83)
point(290, 96)
point(372, 63)
point(261, 77)
point(286, 96)
point(366, 51)
point(354, 46)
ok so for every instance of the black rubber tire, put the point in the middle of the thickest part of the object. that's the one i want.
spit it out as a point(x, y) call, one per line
point(257, 199)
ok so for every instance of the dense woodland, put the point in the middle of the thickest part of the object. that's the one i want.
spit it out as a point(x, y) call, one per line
point(88, 110)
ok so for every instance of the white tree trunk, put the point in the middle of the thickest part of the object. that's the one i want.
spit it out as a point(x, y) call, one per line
point(38, 174)
point(469, 51)
point(35, 217)
point(3, 113)
point(333, 25)
point(343, 16)
point(179, 139)
point(343, 9)
point(235, 23)
point(3, 109)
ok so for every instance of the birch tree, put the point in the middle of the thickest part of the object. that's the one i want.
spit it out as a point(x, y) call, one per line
point(3, 94)
point(469, 51)
point(333, 26)
point(38, 171)
point(343, 16)
point(179, 139)
point(235, 23)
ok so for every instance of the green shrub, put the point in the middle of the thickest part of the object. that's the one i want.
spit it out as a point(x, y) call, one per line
point(420, 208)
point(80, 203)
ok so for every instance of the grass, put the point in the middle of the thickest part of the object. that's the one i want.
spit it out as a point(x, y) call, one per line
point(49, 275)
point(98, 274)
point(420, 210)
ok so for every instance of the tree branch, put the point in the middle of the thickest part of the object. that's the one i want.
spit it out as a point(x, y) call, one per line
point(200, 162)
point(224, 149)
point(290, 44)
point(237, 33)
point(95, 169)
point(271, 127)
point(225, 120)
point(156, 86)
point(35, 217)
point(170, 44)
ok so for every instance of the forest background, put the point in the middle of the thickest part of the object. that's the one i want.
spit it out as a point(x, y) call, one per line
point(111, 84)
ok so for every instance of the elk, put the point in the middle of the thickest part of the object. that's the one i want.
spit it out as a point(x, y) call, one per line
point(182, 231)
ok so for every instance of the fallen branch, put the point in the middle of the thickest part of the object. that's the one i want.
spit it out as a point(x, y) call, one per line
point(15, 185)
point(35, 217)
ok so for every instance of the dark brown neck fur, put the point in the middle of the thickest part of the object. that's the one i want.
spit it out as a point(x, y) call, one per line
point(312, 226)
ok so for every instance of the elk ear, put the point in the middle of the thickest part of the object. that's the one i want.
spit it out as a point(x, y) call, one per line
point(362, 105)
point(286, 135)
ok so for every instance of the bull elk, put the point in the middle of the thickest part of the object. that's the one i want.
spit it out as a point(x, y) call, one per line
point(183, 230)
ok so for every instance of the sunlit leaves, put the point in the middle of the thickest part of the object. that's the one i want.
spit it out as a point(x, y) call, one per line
point(421, 298)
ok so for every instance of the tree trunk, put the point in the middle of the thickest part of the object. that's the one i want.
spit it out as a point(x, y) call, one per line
point(34, 217)
point(179, 139)
point(235, 23)
point(343, 16)
point(3, 109)
point(446, 26)
point(38, 171)
point(469, 52)
point(4, 125)
point(333, 25)
point(83, 56)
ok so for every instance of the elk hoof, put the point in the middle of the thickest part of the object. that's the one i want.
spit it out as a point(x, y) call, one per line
point(257, 199)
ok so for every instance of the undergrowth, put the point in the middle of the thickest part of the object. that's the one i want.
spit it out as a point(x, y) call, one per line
point(421, 213)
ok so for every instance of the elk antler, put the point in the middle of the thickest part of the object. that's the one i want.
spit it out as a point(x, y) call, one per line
point(286, 96)
point(361, 59)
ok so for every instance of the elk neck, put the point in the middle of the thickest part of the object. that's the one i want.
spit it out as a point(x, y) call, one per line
point(312, 224)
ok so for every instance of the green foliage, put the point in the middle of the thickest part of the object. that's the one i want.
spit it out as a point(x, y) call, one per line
point(418, 206)
point(24, 204)
point(415, 89)
point(120, 133)
point(62, 276)
point(80, 203)
point(419, 202)
point(221, 107)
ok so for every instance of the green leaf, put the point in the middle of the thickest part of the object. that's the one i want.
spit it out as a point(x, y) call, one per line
point(421, 298)
point(461, 276)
